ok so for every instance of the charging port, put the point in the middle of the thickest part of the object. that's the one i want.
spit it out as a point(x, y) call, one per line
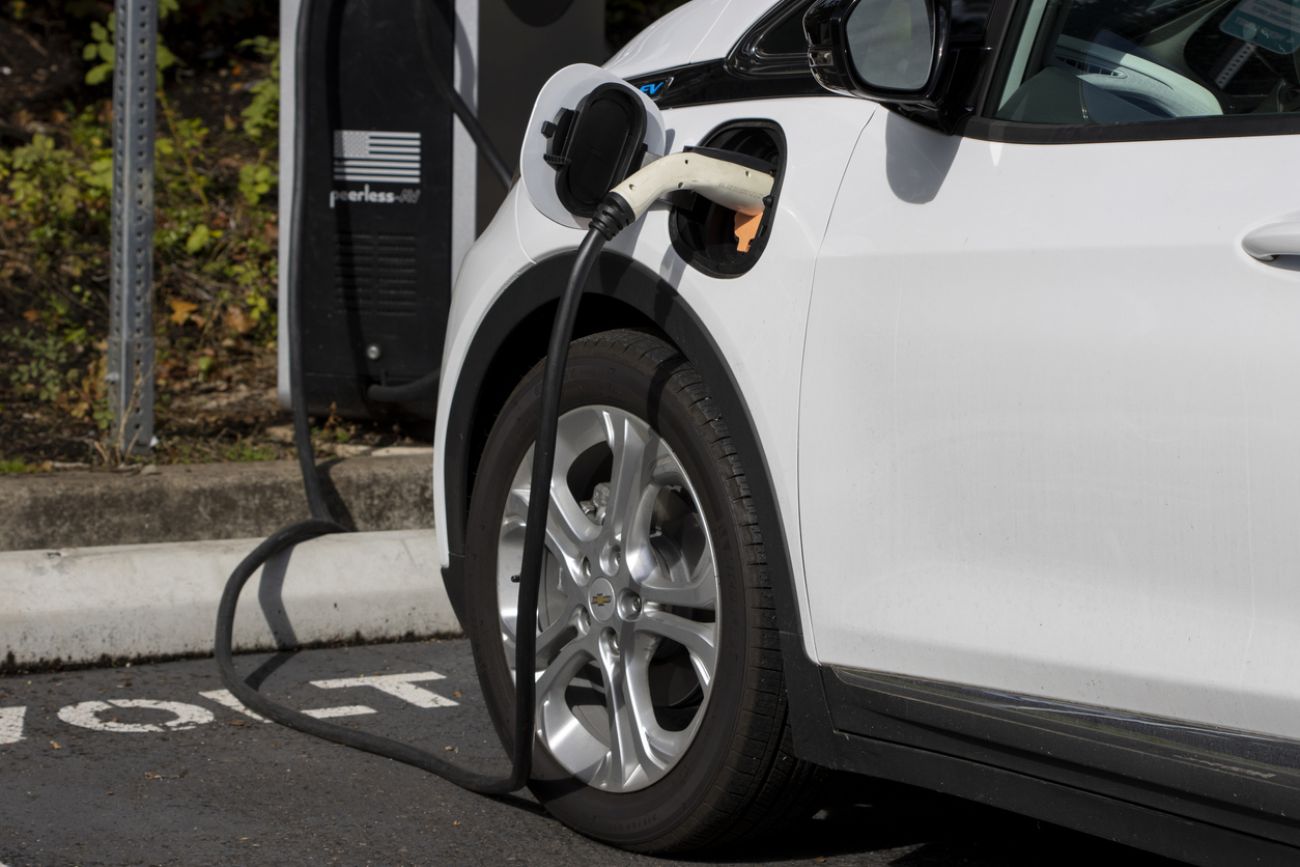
point(713, 239)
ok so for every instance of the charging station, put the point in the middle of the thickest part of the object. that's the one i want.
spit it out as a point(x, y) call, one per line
point(393, 191)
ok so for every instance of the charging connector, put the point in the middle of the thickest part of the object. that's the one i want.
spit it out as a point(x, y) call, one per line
point(732, 184)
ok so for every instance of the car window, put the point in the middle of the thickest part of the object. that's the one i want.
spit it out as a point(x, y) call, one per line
point(1124, 61)
point(785, 37)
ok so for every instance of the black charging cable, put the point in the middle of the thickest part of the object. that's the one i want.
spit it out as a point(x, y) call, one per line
point(486, 149)
point(604, 227)
point(611, 217)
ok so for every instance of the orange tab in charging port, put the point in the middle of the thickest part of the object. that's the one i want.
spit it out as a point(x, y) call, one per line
point(746, 230)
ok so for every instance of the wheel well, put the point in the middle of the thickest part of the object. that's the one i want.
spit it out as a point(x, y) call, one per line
point(525, 347)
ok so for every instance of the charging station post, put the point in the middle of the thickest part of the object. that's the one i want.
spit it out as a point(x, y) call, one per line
point(130, 338)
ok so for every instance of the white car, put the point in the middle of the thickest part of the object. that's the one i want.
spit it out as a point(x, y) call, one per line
point(977, 468)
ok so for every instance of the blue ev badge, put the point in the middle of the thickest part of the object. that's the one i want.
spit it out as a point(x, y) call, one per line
point(655, 89)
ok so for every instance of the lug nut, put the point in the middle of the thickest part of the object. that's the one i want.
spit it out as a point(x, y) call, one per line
point(629, 606)
point(611, 559)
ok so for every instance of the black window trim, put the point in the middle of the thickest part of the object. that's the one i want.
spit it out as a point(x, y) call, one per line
point(747, 56)
point(981, 126)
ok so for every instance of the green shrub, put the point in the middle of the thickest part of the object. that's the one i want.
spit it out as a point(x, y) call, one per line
point(214, 242)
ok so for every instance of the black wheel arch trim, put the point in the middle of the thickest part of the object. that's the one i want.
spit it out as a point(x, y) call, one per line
point(633, 286)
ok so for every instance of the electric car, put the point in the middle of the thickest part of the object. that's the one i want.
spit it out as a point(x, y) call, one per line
point(974, 463)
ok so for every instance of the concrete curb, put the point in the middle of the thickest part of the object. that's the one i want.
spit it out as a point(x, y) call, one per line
point(186, 503)
point(138, 601)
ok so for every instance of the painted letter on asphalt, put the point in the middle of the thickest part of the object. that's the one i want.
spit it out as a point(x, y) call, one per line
point(86, 715)
point(224, 698)
point(11, 724)
point(400, 686)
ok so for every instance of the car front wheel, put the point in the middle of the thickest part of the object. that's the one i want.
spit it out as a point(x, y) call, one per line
point(661, 709)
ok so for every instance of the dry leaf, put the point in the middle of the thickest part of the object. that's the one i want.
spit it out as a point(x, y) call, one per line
point(237, 321)
point(55, 745)
point(181, 310)
point(31, 315)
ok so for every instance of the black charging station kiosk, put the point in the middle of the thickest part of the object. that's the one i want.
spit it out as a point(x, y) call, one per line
point(393, 192)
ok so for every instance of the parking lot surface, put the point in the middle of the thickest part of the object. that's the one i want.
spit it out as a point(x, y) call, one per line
point(153, 764)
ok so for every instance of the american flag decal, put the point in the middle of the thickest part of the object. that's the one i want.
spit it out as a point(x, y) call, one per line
point(376, 156)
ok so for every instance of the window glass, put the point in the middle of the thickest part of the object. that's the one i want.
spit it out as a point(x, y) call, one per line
point(785, 37)
point(1121, 61)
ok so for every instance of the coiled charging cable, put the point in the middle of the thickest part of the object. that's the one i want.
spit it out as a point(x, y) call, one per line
point(743, 189)
point(323, 522)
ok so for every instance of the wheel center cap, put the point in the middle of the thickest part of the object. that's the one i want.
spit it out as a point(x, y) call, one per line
point(600, 599)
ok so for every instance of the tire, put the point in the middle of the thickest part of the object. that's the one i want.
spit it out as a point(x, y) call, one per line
point(705, 756)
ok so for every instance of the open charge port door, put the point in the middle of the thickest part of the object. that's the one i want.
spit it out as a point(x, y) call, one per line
point(709, 237)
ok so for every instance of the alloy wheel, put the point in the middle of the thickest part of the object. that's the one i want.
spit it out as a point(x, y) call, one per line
point(627, 615)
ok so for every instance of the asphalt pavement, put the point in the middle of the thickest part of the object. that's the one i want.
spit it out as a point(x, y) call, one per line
point(152, 764)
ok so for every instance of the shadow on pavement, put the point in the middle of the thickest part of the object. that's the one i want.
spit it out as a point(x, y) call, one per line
point(913, 828)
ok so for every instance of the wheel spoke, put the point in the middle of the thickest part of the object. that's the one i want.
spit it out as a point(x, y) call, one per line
point(624, 744)
point(551, 639)
point(633, 445)
point(700, 591)
point(657, 748)
point(555, 577)
point(698, 638)
point(552, 682)
point(568, 528)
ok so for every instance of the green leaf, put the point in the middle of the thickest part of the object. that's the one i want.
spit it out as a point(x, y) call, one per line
point(198, 239)
point(98, 74)
point(255, 182)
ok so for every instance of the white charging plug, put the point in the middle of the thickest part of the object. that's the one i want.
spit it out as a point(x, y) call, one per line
point(734, 187)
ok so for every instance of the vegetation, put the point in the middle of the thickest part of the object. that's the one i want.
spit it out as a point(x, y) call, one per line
point(215, 236)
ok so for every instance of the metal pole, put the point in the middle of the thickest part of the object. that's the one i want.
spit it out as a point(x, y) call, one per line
point(130, 340)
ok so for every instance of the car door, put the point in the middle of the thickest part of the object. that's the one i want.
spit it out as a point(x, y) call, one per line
point(1050, 416)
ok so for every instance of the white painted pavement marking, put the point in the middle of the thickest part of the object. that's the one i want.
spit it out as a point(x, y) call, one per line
point(224, 698)
point(401, 686)
point(11, 726)
point(86, 715)
point(348, 710)
point(185, 716)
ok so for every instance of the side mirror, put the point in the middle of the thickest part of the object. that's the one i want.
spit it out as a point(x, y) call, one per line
point(884, 50)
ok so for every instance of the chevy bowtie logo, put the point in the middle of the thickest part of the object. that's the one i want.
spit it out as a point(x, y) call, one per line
point(601, 599)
